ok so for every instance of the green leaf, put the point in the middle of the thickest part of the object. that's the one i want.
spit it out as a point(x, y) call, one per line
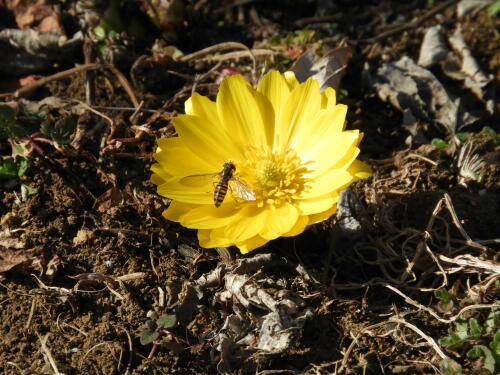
point(9, 128)
point(495, 344)
point(489, 131)
point(462, 137)
point(147, 337)
point(99, 33)
point(11, 168)
point(444, 296)
point(462, 329)
point(449, 367)
point(482, 351)
point(476, 331)
point(26, 191)
point(494, 8)
point(63, 129)
point(453, 341)
point(166, 321)
point(439, 143)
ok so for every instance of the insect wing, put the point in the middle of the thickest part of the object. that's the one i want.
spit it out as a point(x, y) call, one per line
point(241, 189)
point(199, 180)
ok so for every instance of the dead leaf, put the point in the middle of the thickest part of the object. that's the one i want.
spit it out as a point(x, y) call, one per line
point(328, 70)
point(9, 241)
point(38, 14)
point(20, 258)
point(111, 198)
point(408, 86)
point(82, 236)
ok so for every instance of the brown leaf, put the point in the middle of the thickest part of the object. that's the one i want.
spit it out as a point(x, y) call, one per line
point(111, 198)
point(21, 258)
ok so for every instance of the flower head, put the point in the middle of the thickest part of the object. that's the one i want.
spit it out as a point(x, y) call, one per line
point(277, 155)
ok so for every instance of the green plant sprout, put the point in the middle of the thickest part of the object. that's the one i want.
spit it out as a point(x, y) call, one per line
point(24, 132)
point(484, 339)
point(157, 333)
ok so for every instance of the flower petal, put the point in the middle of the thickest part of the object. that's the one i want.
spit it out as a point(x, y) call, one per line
point(301, 109)
point(317, 204)
point(246, 114)
point(360, 170)
point(176, 210)
point(291, 80)
point(327, 123)
point(251, 244)
point(335, 151)
point(329, 183)
point(209, 216)
point(319, 217)
point(274, 86)
point(328, 98)
point(175, 159)
point(210, 238)
point(280, 220)
point(250, 221)
point(200, 138)
point(298, 228)
point(174, 189)
point(206, 109)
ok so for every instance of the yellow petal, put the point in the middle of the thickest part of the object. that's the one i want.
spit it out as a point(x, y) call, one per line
point(298, 228)
point(317, 204)
point(291, 80)
point(214, 238)
point(360, 170)
point(331, 182)
point(300, 110)
point(251, 244)
point(246, 114)
point(206, 109)
point(335, 151)
point(177, 210)
point(326, 125)
point(328, 98)
point(156, 179)
point(174, 189)
point(200, 139)
point(280, 220)
point(209, 216)
point(319, 217)
point(175, 159)
point(250, 221)
point(275, 88)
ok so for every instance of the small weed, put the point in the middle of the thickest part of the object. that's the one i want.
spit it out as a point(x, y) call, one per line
point(157, 333)
point(483, 340)
point(25, 133)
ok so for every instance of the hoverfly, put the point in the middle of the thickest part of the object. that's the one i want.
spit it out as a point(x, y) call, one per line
point(227, 181)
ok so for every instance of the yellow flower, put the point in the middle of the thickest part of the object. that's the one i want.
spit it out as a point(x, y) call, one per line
point(290, 151)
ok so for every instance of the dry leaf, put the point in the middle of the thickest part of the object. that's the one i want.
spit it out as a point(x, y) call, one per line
point(20, 258)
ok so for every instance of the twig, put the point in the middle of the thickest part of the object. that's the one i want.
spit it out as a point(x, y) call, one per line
point(130, 352)
point(418, 331)
point(221, 47)
point(433, 313)
point(47, 355)
point(26, 90)
point(412, 24)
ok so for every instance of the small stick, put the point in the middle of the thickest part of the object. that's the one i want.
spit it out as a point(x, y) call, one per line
point(47, 354)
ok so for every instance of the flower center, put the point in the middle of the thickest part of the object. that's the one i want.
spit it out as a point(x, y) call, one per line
point(276, 177)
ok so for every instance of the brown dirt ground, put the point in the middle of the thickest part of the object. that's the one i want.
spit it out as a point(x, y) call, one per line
point(95, 329)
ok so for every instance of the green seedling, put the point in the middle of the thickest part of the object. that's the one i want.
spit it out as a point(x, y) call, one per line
point(494, 8)
point(61, 131)
point(157, 333)
point(449, 367)
point(483, 340)
point(439, 143)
